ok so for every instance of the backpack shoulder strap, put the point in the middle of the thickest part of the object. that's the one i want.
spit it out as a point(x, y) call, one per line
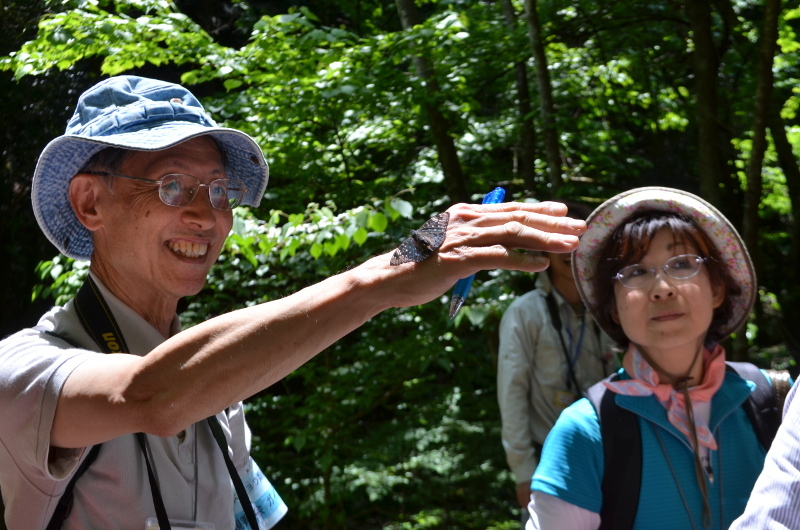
point(762, 406)
point(622, 458)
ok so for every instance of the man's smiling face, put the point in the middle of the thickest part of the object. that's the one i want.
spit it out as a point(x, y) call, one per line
point(152, 246)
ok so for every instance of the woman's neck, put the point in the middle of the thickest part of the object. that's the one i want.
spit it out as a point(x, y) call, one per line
point(672, 366)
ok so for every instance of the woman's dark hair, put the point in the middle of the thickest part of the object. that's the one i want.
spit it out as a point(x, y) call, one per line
point(631, 241)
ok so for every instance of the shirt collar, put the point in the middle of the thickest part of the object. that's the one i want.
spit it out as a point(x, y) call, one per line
point(139, 334)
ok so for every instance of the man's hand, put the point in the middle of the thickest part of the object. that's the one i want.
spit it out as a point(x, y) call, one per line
point(481, 237)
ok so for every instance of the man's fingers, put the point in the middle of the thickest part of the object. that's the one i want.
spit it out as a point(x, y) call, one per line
point(513, 235)
point(547, 217)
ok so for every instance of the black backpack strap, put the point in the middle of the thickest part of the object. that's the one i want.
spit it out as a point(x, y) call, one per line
point(555, 317)
point(762, 406)
point(622, 458)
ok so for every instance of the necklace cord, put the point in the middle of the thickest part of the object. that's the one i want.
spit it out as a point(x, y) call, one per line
point(674, 477)
point(698, 466)
point(682, 384)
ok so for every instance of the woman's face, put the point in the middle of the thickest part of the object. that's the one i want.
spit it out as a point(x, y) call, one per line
point(667, 315)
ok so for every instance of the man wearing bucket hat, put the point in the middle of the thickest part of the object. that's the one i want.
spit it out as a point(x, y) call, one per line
point(142, 184)
point(669, 441)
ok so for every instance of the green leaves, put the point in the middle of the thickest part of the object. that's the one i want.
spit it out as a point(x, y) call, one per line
point(61, 278)
point(125, 41)
point(319, 229)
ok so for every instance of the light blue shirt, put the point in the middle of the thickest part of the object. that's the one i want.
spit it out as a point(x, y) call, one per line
point(572, 466)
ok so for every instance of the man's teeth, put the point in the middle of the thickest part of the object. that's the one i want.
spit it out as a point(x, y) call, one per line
point(190, 250)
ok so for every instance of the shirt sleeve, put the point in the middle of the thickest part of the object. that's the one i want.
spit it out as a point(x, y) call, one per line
point(773, 502)
point(571, 465)
point(551, 513)
point(513, 391)
point(33, 369)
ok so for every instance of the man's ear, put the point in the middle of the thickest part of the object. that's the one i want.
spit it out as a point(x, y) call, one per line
point(83, 196)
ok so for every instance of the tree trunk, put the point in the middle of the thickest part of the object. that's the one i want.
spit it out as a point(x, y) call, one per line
point(551, 144)
point(752, 197)
point(789, 297)
point(731, 190)
point(705, 66)
point(527, 156)
point(440, 126)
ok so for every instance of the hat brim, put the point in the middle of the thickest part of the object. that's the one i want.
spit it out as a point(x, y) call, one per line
point(64, 156)
point(615, 211)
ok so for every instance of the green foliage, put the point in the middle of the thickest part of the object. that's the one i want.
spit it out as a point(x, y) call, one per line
point(66, 275)
point(127, 34)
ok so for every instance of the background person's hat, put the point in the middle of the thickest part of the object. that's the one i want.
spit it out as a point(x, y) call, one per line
point(615, 211)
point(131, 113)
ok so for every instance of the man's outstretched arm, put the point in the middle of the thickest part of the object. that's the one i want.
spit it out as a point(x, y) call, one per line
point(208, 367)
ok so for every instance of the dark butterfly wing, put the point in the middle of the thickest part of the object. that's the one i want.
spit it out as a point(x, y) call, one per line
point(434, 230)
point(410, 250)
point(423, 242)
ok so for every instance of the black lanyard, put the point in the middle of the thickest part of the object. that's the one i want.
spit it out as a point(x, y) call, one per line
point(555, 317)
point(99, 323)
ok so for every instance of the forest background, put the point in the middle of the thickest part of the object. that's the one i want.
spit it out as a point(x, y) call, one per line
point(373, 115)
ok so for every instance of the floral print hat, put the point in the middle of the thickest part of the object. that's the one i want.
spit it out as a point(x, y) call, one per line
point(612, 213)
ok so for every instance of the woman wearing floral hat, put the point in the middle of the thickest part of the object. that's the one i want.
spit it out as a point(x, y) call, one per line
point(668, 277)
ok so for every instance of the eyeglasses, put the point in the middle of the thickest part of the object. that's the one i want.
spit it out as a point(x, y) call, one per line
point(680, 267)
point(177, 189)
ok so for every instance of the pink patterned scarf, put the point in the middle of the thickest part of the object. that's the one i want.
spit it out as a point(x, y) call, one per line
point(646, 382)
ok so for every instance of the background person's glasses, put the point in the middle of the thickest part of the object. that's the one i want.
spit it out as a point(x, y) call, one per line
point(177, 189)
point(680, 267)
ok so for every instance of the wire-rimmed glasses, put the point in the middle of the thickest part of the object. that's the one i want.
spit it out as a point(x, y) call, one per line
point(680, 267)
point(178, 189)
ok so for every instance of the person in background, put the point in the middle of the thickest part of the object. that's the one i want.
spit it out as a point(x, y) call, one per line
point(668, 277)
point(111, 416)
point(551, 350)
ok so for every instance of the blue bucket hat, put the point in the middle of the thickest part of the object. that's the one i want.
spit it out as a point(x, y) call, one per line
point(131, 113)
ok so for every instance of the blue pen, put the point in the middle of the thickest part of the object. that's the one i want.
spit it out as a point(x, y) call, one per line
point(464, 284)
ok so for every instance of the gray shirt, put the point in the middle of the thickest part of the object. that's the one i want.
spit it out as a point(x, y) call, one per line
point(114, 492)
point(532, 371)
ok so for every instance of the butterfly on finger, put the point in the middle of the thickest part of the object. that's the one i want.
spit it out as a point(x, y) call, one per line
point(423, 242)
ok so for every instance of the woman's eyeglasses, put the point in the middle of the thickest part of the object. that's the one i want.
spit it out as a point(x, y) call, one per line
point(680, 267)
point(177, 189)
